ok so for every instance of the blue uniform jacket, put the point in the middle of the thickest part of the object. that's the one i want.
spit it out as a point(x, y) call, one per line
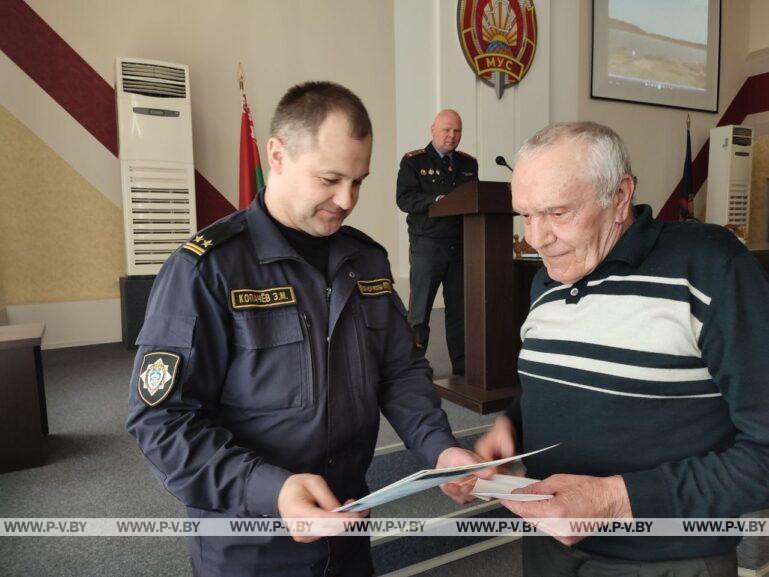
point(423, 177)
point(277, 374)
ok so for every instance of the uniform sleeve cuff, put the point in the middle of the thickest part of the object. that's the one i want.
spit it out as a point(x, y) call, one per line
point(434, 445)
point(649, 494)
point(264, 485)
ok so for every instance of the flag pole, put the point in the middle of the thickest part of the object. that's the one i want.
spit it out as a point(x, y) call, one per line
point(686, 201)
point(251, 178)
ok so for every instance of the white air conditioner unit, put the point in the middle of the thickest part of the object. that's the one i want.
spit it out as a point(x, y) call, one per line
point(156, 163)
point(729, 169)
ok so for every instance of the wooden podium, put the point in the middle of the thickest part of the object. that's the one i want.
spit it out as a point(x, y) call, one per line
point(490, 302)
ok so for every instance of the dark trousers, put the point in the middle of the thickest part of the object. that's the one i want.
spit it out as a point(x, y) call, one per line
point(434, 262)
point(546, 556)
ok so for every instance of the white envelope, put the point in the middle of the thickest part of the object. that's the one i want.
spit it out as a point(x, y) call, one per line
point(425, 479)
point(501, 486)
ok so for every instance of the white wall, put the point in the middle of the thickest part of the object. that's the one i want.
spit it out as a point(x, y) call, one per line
point(759, 25)
point(565, 72)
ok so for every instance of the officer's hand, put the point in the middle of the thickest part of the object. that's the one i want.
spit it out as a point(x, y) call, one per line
point(499, 442)
point(460, 489)
point(309, 496)
point(573, 496)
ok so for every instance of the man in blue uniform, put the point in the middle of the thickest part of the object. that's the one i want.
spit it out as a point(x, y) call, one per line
point(435, 244)
point(272, 341)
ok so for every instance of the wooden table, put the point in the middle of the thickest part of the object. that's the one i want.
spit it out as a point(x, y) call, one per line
point(23, 415)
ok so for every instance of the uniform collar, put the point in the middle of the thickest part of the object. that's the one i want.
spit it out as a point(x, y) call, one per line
point(635, 243)
point(434, 152)
point(268, 242)
point(449, 154)
point(270, 245)
point(638, 240)
point(342, 249)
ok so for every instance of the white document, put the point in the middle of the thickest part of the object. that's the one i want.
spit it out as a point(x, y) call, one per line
point(423, 480)
point(501, 487)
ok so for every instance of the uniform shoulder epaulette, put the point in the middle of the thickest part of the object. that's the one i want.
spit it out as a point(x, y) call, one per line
point(355, 233)
point(416, 152)
point(212, 237)
point(465, 154)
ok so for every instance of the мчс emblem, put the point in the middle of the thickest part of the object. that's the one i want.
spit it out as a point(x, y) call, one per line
point(498, 38)
point(157, 376)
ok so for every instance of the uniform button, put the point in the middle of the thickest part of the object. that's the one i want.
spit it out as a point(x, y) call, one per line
point(328, 339)
point(331, 461)
point(574, 292)
point(352, 275)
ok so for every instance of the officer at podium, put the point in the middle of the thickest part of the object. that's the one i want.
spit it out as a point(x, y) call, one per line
point(435, 244)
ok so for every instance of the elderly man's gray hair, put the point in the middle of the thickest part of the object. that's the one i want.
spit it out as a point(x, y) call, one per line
point(608, 160)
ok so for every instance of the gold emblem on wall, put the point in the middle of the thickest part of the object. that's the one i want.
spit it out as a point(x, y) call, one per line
point(498, 39)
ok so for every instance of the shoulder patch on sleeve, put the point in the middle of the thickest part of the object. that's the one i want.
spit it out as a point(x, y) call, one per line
point(416, 152)
point(157, 376)
point(212, 237)
point(465, 154)
point(355, 233)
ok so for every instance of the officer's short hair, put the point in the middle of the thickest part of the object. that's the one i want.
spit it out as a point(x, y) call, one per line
point(305, 106)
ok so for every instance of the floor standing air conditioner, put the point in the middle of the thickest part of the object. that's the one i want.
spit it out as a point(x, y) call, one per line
point(156, 163)
point(729, 169)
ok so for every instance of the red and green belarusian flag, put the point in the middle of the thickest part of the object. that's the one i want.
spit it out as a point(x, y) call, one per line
point(251, 177)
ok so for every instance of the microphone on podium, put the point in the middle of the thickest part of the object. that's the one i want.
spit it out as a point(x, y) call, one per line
point(500, 160)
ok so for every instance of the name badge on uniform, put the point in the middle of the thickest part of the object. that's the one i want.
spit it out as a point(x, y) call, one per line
point(375, 287)
point(244, 299)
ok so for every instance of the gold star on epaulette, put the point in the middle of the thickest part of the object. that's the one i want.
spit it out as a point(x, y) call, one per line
point(213, 237)
point(201, 244)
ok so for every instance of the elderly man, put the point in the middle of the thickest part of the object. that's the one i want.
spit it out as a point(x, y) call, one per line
point(272, 340)
point(435, 252)
point(644, 354)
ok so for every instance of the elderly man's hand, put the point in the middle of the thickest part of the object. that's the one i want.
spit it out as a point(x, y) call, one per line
point(309, 496)
point(460, 489)
point(574, 496)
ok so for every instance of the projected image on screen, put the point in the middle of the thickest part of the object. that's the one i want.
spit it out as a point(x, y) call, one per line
point(657, 51)
point(659, 42)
